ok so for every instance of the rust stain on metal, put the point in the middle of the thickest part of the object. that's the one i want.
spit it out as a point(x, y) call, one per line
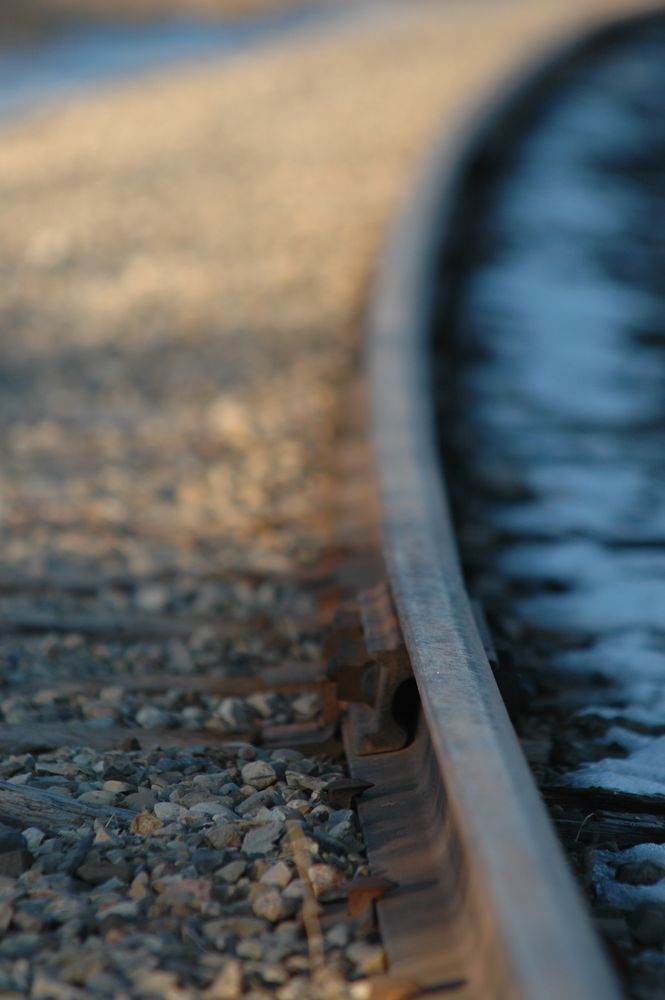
point(369, 663)
point(359, 894)
point(362, 893)
point(342, 793)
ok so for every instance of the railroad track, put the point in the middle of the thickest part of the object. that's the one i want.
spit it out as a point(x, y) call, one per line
point(459, 869)
point(478, 759)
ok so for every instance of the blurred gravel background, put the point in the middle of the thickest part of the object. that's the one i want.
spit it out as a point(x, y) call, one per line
point(25, 19)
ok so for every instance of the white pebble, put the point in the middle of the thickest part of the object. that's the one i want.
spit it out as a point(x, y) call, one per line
point(168, 810)
point(259, 774)
point(278, 874)
point(33, 837)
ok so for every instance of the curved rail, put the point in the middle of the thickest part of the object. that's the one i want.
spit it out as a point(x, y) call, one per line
point(530, 927)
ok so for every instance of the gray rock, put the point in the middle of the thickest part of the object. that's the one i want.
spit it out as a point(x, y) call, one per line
point(262, 839)
point(55, 767)
point(229, 789)
point(341, 816)
point(48, 987)
point(279, 874)
point(224, 835)
point(250, 948)
point(191, 797)
point(264, 815)
point(33, 837)
point(98, 872)
point(51, 781)
point(21, 945)
point(104, 984)
point(117, 787)
point(235, 713)
point(296, 779)
point(338, 936)
point(343, 831)
point(151, 717)
point(266, 703)
point(256, 801)
point(296, 889)
point(329, 843)
point(242, 926)
point(228, 982)
point(303, 765)
point(207, 860)
point(233, 871)
point(29, 915)
point(211, 781)
point(323, 877)
point(273, 973)
point(98, 797)
point(307, 705)
point(142, 801)
point(77, 853)
point(212, 807)
point(369, 959)
point(192, 716)
point(152, 597)
point(167, 810)
point(284, 754)
point(15, 857)
point(259, 774)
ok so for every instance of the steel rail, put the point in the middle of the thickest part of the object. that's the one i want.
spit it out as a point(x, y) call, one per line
point(531, 936)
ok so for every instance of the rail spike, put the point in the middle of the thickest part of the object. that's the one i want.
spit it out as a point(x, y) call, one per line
point(367, 659)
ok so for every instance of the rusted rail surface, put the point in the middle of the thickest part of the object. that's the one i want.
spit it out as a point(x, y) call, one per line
point(458, 810)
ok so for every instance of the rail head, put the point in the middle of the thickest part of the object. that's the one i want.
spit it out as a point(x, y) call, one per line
point(543, 943)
